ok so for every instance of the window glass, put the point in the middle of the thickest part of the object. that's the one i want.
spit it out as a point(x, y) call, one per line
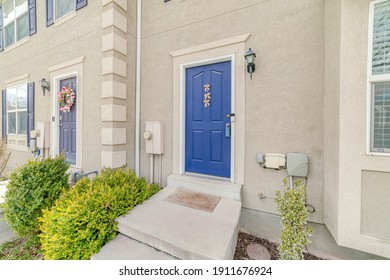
point(22, 98)
point(381, 39)
point(12, 123)
point(9, 33)
point(11, 99)
point(22, 29)
point(8, 11)
point(21, 7)
point(64, 7)
point(381, 116)
point(22, 123)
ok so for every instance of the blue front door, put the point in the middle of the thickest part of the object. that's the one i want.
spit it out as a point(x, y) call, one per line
point(68, 123)
point(208, 127)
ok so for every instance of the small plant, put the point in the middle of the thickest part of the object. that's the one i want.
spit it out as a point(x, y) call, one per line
point(4, 155)
point(84, 218)
point(295, 231)
point(33, 187)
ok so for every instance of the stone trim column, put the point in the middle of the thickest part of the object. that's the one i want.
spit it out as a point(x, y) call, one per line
point(114, 83)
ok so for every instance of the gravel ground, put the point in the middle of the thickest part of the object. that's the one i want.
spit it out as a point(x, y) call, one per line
point(245, 239)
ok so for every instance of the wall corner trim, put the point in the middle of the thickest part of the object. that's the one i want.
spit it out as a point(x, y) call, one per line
point(212, 45)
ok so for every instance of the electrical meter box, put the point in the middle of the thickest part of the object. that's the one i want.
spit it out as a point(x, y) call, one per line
point(154, 137)
point(275, 161)
point(297, 164)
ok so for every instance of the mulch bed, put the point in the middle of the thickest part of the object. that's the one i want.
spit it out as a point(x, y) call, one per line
point(245, 239)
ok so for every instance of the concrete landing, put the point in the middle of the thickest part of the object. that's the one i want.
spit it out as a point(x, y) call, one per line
point(124, 248)
point(206, 184)
point(184, 232)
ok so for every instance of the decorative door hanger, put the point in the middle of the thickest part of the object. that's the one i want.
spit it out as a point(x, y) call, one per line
point(207, 96)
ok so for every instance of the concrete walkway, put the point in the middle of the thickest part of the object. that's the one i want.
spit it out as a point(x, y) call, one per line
point(6, 234)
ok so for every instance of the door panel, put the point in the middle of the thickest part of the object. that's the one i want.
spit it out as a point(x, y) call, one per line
point(68, 124)
point(208, 150)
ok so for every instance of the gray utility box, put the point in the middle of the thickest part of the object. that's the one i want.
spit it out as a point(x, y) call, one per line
point(297, 164)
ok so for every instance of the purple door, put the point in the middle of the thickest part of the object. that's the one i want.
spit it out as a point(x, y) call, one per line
point(67, 123)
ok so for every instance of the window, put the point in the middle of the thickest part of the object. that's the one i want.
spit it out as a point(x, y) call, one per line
point(379, 77)
point(56, 9)
point(18, 19)
point(17, 110)
point(15, 21)
point(64, 7)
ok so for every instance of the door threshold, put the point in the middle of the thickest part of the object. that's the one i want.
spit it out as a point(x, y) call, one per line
point(203, 176)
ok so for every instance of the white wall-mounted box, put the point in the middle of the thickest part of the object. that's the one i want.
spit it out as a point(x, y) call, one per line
point(43, 139)
point(275, 161)
point(154, 137)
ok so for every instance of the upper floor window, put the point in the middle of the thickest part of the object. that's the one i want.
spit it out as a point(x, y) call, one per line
point(56, 9)
point(15, 21)
point(64, 7)
point(379, 76)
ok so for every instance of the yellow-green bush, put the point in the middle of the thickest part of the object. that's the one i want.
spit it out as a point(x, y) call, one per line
point(33, 187)
point(83, 219)
point(295, 231)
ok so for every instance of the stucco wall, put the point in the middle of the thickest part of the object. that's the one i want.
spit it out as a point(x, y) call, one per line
point(284, 101)
point(80, 36)
point(353, 116)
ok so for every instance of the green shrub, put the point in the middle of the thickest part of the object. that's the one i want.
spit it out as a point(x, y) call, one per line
point(295, 232)
point(33, 187)
point(83, 219)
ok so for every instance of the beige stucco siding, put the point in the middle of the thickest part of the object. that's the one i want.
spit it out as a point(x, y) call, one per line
point(54, 45)
point(284, 101)
point(353, 116)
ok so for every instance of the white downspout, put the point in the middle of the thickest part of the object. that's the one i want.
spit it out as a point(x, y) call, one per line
point(138, 90)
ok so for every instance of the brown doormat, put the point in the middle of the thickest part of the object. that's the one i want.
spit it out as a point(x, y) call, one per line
point(199, 201)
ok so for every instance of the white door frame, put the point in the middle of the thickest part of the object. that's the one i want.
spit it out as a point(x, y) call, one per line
point(56, 115)
point(183, 68)
point(68, 69)
point(230, 49)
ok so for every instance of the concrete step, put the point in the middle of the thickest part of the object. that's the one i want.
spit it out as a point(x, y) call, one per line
point(206, 184)
point(124, 248)
point(184, 232)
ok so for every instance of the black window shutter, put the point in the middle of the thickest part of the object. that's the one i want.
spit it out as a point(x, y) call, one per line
point(1, 29)
point(49, 12)
point(4, 112)
point(32, 13)
point(30, 110)
point(81, 4)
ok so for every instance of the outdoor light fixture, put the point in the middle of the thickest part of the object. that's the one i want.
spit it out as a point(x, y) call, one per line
point(45, 85)
point(250, 59)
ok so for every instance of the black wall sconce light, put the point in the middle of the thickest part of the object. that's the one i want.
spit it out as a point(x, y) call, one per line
point(250, 59)
point(45, 85)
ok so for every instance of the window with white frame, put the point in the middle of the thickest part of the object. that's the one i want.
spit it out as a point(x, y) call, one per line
point(15, 20)
point(379, 76)
point(63, 7)
point(17, 110)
